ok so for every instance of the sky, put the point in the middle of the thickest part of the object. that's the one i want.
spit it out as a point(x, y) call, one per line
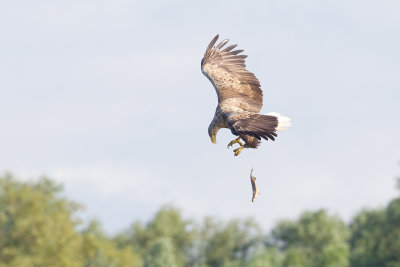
point(107, 98)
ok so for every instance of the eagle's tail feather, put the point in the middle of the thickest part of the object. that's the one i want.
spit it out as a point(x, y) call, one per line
point(283, 121)
point(258, 126)
point(262, 126)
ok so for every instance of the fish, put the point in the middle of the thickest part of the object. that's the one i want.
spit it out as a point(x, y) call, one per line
point(253, 186)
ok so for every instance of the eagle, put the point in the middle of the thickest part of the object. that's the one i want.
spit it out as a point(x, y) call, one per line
point(240, 98)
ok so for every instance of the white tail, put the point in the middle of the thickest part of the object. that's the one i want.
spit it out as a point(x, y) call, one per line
point(283, 121)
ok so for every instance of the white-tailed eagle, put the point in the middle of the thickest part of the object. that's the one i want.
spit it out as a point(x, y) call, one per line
point(240, 98)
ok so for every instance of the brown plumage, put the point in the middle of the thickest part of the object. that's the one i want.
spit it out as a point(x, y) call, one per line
point(240, 97)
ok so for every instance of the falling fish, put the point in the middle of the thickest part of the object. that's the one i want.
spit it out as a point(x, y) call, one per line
point(253, 186)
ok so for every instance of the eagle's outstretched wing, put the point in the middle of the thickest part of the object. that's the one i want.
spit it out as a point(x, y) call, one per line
point(226, 70)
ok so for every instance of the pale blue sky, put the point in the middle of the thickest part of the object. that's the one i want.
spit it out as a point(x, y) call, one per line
point(108, 98)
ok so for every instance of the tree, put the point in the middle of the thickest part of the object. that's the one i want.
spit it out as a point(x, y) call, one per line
point(37, 227)
point(161, 254)
point(229, 244)
point(316, 239)
point(375, 237)
point(100, 251)
point(269, 257)
point(167, 223)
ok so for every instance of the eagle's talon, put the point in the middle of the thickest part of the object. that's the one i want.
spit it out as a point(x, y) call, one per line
point(238, 150)
point(237, 140)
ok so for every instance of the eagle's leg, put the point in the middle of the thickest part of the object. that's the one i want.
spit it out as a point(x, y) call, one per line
point(238, 150)
point(237, 140)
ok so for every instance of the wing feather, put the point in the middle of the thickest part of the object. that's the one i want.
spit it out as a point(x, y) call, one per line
point(235, 52)
point(226, 70)
point(221, 44)
point(257, 125)
point(229, 48)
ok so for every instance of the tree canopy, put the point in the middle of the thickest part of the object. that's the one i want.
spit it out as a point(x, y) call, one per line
point(39, 227)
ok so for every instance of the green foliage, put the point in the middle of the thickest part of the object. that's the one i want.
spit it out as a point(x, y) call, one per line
point(210, 244)
point(375, 239)
point(161, 254)
point(316, 239)
point(231, 243)
point(99, 251)
point(167, 223)
point(268, 257)
point(36, 226)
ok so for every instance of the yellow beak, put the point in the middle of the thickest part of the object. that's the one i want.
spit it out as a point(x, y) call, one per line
point(213, 139)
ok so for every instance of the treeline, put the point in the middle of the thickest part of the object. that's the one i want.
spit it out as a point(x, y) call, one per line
point(39, 227)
